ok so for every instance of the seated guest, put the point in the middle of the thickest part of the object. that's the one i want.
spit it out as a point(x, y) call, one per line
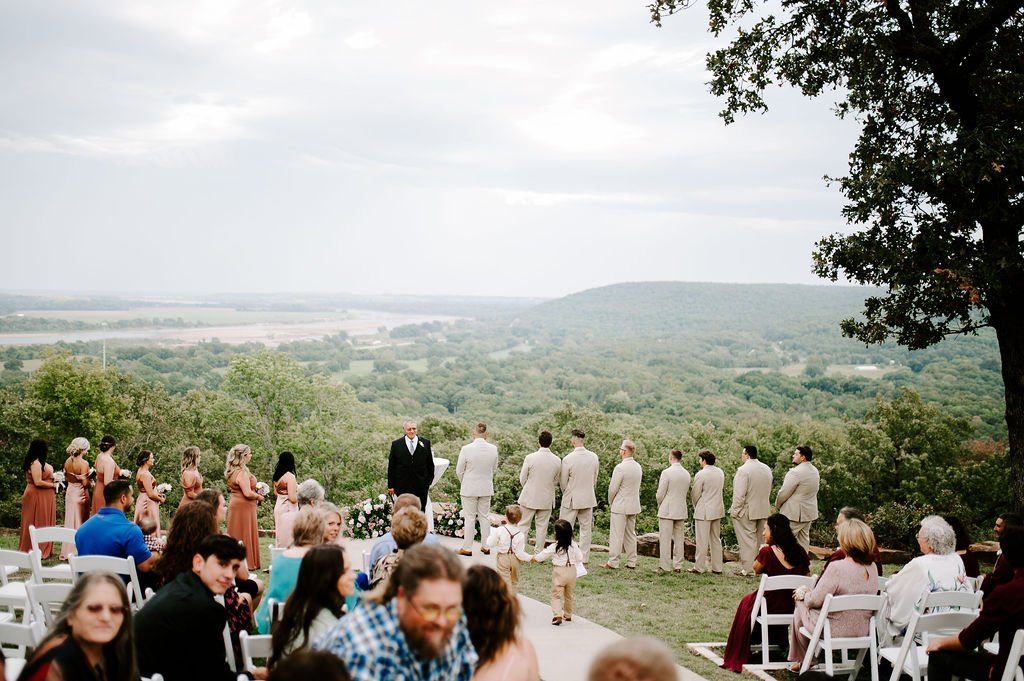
point(334, 522)
point(850, 513)
point(309, 493)
point(110, 533)
point(91, 639)
point(326, 579)
point(307, 532)
point(1003, 613)
point(963, 546)
point(939, 569)
point(781, 555)
point(415, 624)
point(639, 659)
point(310, 664)
point(180, 632)
point(855, 574)
point(386, 543)
point(1001, 571)
point(493, 618)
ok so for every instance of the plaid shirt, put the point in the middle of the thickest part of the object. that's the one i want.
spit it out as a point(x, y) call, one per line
point(371, 644)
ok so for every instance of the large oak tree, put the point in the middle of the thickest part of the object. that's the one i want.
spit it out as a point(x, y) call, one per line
point(934, 189)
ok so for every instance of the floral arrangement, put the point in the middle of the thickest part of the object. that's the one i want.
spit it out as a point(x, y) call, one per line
point(58, 480)
point(262, 488)
point(163, 488)
point(448, 521)
point(371, 518)
point(126, 474)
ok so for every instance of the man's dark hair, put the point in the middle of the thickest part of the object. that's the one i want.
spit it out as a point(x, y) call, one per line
point(222, 546)
point(1011, 519)
point(806, 451)
point(676, 455)
point(706, 455)
point(751, 451)
point(545, 438)
point(852, 513)
point(210, 496)
point(114, 489)
point(310, 664)
point(578, 434)
point(1012, 544)
point(423, 562)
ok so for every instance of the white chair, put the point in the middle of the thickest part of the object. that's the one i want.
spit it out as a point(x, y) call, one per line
point(229, 648)
point(12, 592)
point(910, 657)
point(275, 551)
point(1012, 670)
point(40, 535)
point(762, 617)
point(882, 581)
point(124, 567)
point(46, 600)
point(15, 637)
point(253, 646)
point(275, 609)
point(821, 638)
point(947, 601)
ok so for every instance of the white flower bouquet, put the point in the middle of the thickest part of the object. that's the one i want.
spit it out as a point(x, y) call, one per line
point(800, 593)
point(126, 474)
point(371, 518)
point(163, 488)
point(262, 488)
point(58, 480)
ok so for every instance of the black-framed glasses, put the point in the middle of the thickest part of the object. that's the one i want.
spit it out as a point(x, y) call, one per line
point(433, 612)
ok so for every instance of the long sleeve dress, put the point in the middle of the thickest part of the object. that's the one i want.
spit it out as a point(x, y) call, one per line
point(843, 578)
point(741, 637)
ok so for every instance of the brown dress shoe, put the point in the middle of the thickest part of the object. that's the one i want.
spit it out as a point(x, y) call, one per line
point(484, 550)
point(556, 620)
point(464, 552)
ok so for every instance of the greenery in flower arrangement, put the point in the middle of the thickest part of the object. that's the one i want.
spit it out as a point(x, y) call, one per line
point(371, 518)
point(448, 522)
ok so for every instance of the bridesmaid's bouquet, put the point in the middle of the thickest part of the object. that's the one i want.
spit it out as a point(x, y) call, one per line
point(262, 488)
point(163, 488)
point(58, 479)
point(126, 474)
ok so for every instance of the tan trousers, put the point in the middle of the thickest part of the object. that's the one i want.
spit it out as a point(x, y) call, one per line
point(622, 539)
point(749, 534)
point(543, 517)
point(671, 542)
point(563, 581)
point(709, 538)
point(507, 565)
point(802, 532)
point(475, 509)
point(585, 516)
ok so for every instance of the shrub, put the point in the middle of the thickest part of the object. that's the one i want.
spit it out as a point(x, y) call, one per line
point(895, 523)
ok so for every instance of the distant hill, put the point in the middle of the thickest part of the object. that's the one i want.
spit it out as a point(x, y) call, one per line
point(673, 307)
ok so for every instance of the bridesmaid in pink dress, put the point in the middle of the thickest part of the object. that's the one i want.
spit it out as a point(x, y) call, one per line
point(242, 507)
point(147, 504)
point(39, 502)
point(285, 488)
point(191, 478)
point(106, 470)
point(76, 497)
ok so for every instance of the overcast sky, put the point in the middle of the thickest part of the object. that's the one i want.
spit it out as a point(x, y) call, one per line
point(450, 147)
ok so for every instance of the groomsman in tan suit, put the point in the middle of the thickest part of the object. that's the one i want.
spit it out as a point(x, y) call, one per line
point(673, 486)
point(578, 480)
point(708, 511)
point(751, 506)
point(475, 469)
point(624, 502)
point(798, 497)
point(539, 477)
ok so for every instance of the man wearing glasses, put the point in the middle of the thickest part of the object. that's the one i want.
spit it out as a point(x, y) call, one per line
point(415, 630)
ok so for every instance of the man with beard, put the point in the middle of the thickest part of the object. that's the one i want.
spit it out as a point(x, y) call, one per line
point(415, 630)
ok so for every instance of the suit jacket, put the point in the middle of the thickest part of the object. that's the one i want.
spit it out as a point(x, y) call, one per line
point(798, 498)
point(475, 469)
point(752, 491)
point(411, 473)
point(624, 489)
point(707, 493)
point(579, 478)
point(673, 485)
point(539, 477)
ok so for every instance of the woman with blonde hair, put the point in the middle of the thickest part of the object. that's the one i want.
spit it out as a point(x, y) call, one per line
point(307, 532)
point(191, 478)
point(335, 522)
point(242, 507)
point(106, 470)
point(76, 496)
point(91, 639)
point(853, 575)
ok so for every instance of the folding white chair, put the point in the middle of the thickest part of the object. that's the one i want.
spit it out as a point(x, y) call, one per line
point(229, 648)
point(910, 657)
point(12, 592)
point(1012, 670)
point(950, 601)
point(275, 551)
point(46, 600)
point(41, 535)
point(821, 638)
point(882, 581)
point(275, 608)
point(762, 617)
point(15, 637)
point(124, 567)
point(253, 646)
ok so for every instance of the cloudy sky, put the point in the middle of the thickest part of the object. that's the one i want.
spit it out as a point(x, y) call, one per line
point(451, 147)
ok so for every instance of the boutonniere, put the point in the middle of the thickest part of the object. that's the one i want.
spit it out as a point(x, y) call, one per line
point(419, 443)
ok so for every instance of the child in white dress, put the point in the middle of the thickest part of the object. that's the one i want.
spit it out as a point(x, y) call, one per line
point(565, 556)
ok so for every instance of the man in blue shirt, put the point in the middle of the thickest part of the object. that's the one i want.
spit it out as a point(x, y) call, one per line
point(386, 543)
point(415, 630)
point(110, 533)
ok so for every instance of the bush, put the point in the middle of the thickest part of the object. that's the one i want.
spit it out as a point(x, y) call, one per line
point(895, 524)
